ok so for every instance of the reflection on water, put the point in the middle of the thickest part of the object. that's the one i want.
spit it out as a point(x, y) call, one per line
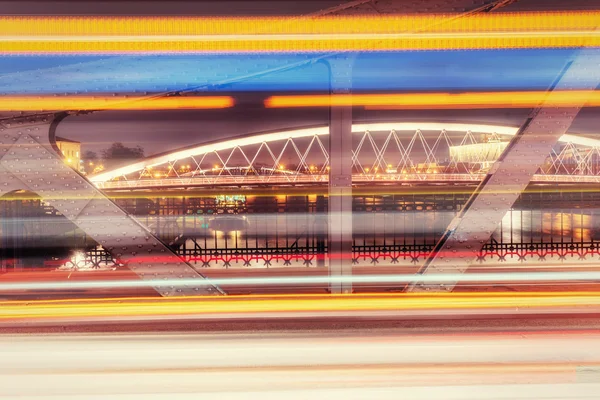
point(523, 226)
point(301, 230)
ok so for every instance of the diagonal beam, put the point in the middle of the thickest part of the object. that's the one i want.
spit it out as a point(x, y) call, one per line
point(29, 161)
point(509, 176)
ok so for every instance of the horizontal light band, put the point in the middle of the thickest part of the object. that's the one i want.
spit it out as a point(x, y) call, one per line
point(360, 24)
point(307, 34)
point(311, 44)
point(441, 100)
point(273, 304)
point(49, 103)
point(382, 101)
point(396, 279)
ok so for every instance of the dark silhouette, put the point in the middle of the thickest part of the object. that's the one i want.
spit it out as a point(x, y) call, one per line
point(118, 154)
point(90, 161)
point(90, 156)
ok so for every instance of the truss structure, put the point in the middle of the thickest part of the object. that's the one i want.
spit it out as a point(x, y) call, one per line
point(380, 152)
point(28, 161)
point(510, 175)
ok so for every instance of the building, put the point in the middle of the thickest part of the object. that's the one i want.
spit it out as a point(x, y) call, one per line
point(71, 150)
point(481, 154)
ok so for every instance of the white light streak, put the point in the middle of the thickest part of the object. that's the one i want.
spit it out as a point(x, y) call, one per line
point(487, 278)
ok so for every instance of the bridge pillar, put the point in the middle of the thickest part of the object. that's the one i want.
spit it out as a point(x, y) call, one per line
point(30, 161)
point(340, 179)
point(321, 229)
point(508, 177)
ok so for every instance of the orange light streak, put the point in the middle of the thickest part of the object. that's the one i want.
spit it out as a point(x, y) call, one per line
point(48, 103)
point(305, 34)
point(291, 304)
point(440, 100)
point(117, 26)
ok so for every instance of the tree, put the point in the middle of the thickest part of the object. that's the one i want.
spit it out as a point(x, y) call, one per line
point(90, 161)
point(118, 153)
point(90, 156)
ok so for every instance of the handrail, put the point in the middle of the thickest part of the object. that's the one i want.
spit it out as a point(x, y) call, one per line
point(304, 179)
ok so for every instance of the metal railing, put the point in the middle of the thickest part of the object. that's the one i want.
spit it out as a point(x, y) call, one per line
point(309, 178)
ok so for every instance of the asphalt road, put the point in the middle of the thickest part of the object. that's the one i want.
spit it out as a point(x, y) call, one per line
point(376, 364)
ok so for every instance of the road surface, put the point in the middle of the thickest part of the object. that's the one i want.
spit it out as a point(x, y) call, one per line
point(377, 364)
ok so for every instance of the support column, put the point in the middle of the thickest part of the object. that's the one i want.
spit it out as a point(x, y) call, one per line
point(320, 229)
point(508, 177)
point(340, 179)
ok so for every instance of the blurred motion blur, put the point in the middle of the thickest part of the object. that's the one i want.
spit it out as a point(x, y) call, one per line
point(257, 199)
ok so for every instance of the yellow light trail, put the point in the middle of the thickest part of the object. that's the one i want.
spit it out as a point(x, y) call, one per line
point(305, 34)
point(49, 103)
point(469, 100)
point(291, 304)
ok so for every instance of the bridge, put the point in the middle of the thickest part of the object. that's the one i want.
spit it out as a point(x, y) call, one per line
point(383, 153)
point(449, 152)
point(499, 165)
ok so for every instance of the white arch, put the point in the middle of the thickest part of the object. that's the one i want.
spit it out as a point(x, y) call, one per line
point(322, 131)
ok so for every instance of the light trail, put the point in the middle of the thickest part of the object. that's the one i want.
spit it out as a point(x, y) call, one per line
point(89, 103)
point(308, 34)
point(340, 364)
point(507, 277)
point(360, 24)
point(471, 100)
point(289, 304)
point(240, 44)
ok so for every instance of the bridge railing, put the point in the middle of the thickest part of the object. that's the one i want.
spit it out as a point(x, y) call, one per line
point(365, 178)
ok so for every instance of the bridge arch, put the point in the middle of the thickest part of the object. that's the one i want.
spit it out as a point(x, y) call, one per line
point(462, 143)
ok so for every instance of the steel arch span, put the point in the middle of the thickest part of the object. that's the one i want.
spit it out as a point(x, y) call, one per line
point(384, 152)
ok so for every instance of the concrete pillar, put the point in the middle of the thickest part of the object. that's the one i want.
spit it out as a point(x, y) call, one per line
point(340, 179)
point(320, 230)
